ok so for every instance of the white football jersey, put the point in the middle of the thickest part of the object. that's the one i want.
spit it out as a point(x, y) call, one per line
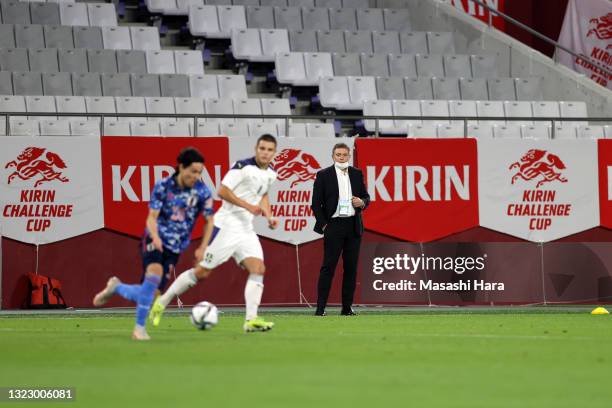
point(248, 182)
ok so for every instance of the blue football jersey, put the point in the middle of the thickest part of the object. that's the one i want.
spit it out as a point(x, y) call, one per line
point(178, 211)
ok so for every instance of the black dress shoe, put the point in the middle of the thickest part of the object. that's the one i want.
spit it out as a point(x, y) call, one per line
point(348, 312)
point(320, 313)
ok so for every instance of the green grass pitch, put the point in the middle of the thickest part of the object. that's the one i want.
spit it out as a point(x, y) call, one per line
point(429, 359)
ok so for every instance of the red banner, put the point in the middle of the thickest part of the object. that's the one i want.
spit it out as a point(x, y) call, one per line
point(482, 13)
point(420, 189)
point(131, 165)
point(605, 182)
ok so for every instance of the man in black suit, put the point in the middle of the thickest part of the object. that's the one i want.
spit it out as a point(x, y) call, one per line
point(339, 196)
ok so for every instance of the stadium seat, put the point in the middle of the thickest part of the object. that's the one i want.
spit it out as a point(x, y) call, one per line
point(43, 60)
point(188, 62)
point(56, 37)
point(130, 104)
point(608, 131)
point(300, 3)
point(462, 108)
point(406, 108)
point(116, 38)
point(370, 19)
point(53, 127)
point(440, 43)
point(429, 66)
point(27, 83)
point(73, 14)
point(71, 104)
point(246, 44)
point(116, 85)
point(361, 89)
point(145, 85)
point(483, 66)
point(101, 15)
point(483, 131)
point(342, 19)
point(84, 128)
point(289, 68)
point(260, 17)
point(160, 6)
point(379, 108)
point(315, 19)
point(57, 83)
point(590, 132)
point(320, 130)
point(103, 61)
point(101, 105)
point(418, 88)
point(174, 85)
point(374, 65)
point(219, 106)
point(204, 86)
point(189, 106)
point(273, 42)
point(232, 86)
point(413, 42)
point(86, 84)
point(297, 130)
point(358, 41)
point(204, 21)
point(88, 37)
point(434, 108)
point(425, 130)
point(40, 104)
point(288, 18)
point(529, 89)
point(501, 89)
point(160, 106)
point(386, 42)
point(303, 41)
point(573, 110)
point(73, 61)
point(231, 18)
point(518, 109)
point(346, 64)
point(457, 66)
point(208, 129)
point(9, 103)
point(489, 109)
point(334, 92)
point(402, 65)
point(445, 88)
point(328, 3)
point(44, 13)
point(507, 131)
point(564, 132)
point(179, 129)
point(117, 128)
point(131, 61)
point(235, 129)
point(275, 107)
point(473, 89)
point(247, 107)
point(144, 38)
point(538, 131)
point(545, 109)
point(397, 20)
point(29, 36)
point(318, 65)
point(452, 131)
point(389, 88)
point(24, 127)
point(6, 83)
point(330, 41)
point(258, 129)
point(16, 12)
point(160, 62)
point(7, 36)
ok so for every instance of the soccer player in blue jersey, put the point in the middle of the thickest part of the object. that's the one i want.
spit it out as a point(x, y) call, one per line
point(244, 191)
point(175, 204)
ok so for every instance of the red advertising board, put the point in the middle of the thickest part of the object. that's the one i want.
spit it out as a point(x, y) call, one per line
point(605, 184)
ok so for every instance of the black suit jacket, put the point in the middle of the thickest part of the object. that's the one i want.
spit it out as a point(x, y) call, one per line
point(325, 196)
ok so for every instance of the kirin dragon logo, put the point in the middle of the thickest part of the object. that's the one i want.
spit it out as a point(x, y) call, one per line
point(290, 163)
point(601, 27)
point(29, 165)
point(539, 163)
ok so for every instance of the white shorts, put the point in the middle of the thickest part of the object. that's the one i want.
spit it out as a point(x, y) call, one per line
point(237, 244)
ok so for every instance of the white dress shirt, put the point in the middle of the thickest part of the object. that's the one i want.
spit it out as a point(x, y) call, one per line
point(345, 192)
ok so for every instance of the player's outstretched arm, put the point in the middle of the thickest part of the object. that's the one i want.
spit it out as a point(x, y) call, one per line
point(152, 228)
point(266, 211)
point(228, 195)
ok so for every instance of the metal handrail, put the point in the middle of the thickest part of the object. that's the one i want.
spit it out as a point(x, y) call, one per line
point(537, 34)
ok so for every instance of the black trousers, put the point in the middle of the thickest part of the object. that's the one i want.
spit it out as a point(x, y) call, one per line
point(339, 238)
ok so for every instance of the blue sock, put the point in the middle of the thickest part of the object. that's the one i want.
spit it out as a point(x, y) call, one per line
point(129, 292)
point(145, 297)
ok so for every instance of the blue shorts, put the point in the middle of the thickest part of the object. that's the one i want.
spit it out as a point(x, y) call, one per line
point(166, 259)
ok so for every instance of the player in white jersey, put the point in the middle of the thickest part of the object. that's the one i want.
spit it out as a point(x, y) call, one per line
point(244, 191)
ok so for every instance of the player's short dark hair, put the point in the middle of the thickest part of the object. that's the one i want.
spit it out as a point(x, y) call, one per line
point(266, 138)
point(341, 146)
point(187, 156)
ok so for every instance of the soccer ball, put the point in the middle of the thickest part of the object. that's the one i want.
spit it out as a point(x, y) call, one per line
point(204, 316)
